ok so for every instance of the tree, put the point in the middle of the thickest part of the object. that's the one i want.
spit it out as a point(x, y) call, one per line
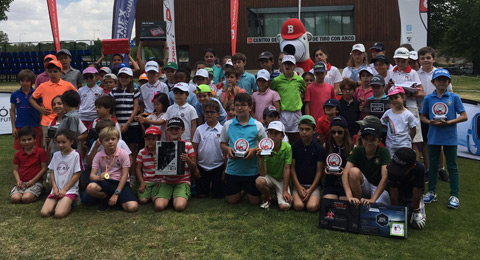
point(4, 6)
point(3, 37)
point(440, 12)
point(462, 33)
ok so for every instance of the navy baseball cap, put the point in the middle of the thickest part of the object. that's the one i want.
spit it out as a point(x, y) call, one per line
point(381, 58)
point(377, 80)
point(270, 110)
point(332, 103)
point(339, 121)
point(319, 67)
point(441, 72)
point(371, 129)
point(265, 55)
point(403, 159)
point(378, 46)
point(175, 122)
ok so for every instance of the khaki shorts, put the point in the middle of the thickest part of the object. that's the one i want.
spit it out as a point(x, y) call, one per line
point(36, 190)
point(418, 138)
point(315, 193)
point(276, 186)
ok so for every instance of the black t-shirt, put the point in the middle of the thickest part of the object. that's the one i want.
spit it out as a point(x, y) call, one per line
point(306, 158)
point(332, 180)
point(351, 112)
point(405, 184)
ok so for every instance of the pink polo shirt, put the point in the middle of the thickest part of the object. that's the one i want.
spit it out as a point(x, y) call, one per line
point(263, 100)
point(114, 163)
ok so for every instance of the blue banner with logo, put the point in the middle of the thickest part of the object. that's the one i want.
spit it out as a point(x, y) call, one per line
point(468, 132)
point(123, 17)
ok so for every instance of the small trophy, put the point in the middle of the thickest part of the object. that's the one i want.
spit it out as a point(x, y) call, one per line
point(440, 111)
point(266, 145)
point(241, 147)
point(334, 160)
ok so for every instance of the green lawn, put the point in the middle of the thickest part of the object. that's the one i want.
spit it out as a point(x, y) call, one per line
point(211, 229)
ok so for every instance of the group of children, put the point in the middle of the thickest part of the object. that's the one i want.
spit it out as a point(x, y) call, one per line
point(320, 131)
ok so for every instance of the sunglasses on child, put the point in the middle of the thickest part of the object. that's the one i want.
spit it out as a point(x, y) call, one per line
point(339, 132)
point(211, 112)
point(88, 76)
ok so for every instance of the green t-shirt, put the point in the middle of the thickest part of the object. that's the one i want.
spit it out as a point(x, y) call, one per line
point(278, 159)
point(289, 91)
point(371, 169)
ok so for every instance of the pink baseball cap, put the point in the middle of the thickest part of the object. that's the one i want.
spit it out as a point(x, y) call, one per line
point(395, 90)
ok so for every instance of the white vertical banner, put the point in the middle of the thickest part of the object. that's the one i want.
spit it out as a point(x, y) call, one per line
point(414, 22)
point(169, 17)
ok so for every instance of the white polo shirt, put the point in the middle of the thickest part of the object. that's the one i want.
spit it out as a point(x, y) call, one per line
point(408, 75)
point(147, 91)
point(87, 110)
point(210, 155)
point(187, 113)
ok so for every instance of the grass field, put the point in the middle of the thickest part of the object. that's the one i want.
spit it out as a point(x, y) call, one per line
point(211, 229)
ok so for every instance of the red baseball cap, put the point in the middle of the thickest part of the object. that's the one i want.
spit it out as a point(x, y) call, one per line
point(292, 29)
point(54, 62)
point(153, 130)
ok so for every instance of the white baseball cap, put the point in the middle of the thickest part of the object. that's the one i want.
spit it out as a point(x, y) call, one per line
point(263, 74)
point(125, 70)
point(358, 47)
point(413, 55)
point(152, 65)
point(289, 58)
point(401, 53)
point(228, 62)
point(202, 73)
point(182, 86)
point(367, 69)
point(276, 125)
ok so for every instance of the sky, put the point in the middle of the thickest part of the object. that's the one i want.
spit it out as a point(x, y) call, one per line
point(28, 20)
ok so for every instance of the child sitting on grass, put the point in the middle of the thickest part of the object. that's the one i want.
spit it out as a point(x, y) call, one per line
point(29, 165)
point(66, 167)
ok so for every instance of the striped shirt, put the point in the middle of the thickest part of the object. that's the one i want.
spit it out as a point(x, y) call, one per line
point(177, 179)
point(147, 159)
point(124, 105)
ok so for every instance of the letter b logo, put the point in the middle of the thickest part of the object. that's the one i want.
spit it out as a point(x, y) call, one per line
point(290, 29)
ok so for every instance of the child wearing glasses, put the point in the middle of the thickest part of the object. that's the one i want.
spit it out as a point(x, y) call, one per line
point(88, 94)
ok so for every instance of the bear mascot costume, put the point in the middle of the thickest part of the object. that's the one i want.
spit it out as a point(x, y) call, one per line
point(294, 40)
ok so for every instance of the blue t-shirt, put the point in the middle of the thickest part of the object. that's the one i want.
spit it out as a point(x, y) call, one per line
point(253, 132)
point(217, 74)
point(26, 115)
point(306, 158)
point(222, 117)
point(442, 135)
point(247, 82)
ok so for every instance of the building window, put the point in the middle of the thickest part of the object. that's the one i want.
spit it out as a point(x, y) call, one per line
point(318, 20)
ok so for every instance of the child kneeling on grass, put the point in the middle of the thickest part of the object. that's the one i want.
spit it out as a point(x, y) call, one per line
point(112, 185)
point(177, 186)
point(29, 165)
point(406, 183)
point(275, 169)
point(146, 167)
point(66, 168)
point(308, 156)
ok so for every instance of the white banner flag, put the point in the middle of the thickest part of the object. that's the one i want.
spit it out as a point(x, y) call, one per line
point(169, 17)
point(414, 22)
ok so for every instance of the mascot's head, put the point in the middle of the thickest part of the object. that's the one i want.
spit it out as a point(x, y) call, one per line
point(294, 39)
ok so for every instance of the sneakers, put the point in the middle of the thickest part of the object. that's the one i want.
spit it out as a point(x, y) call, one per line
point(266, 203)
point(453, 202)
point(103, 205)
point(430, 197)
point(443, 175)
